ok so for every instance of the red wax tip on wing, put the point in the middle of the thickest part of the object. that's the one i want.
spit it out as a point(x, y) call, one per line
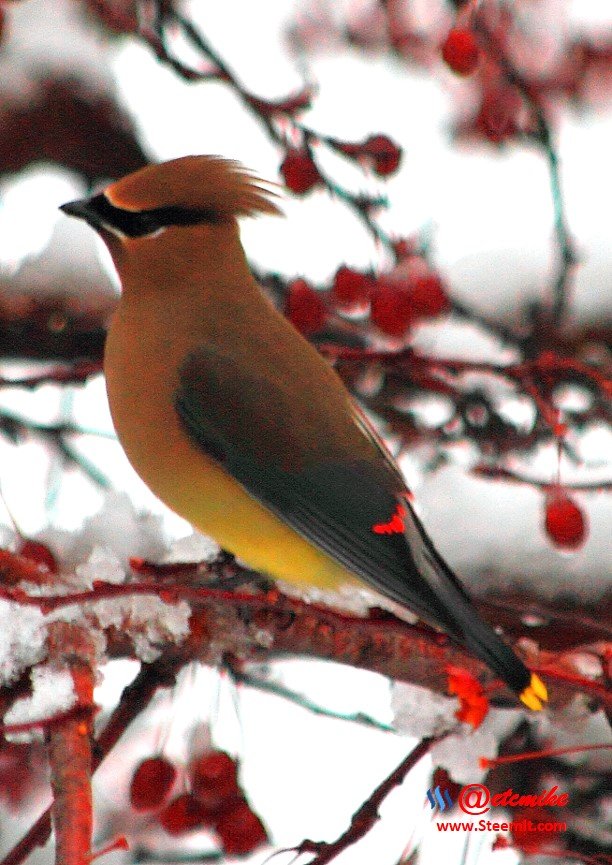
point(474, 705)
point(395, 526)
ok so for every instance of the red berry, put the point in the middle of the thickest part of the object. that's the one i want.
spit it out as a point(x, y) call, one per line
point(428, 296)
point(240, 830)
point(460, 51)
point(384, 153)
point(22, 772)
point(299, 171)
point(498, 115)
point(38, 553)
point(214, 778)
point(566, 524)
point(185, 813)
point(392, 310)
point(351, 288)
point(305, 308)
point(151, 783)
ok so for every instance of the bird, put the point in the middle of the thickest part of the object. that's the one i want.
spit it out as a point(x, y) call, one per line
point(238, 424)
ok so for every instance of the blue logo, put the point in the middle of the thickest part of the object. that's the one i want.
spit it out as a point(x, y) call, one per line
point(436, 798)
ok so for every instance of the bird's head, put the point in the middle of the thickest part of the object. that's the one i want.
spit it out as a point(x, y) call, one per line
point(187, 192)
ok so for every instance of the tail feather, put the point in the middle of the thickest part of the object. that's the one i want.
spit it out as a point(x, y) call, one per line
point(465, 625)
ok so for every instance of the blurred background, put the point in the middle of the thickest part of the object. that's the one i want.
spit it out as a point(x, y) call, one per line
point(444, 197)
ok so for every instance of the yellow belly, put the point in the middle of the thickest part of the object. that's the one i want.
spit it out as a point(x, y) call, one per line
point(212, 501)
point(141, 389)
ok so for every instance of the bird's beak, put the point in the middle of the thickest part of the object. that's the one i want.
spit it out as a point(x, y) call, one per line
point(83, 208)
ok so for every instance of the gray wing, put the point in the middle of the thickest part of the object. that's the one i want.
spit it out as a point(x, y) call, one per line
point(333, 502)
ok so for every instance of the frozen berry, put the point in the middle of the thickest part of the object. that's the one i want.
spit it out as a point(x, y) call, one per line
point(460, 51)
point(428, 296)
point(214, 778)
point(351, 288)
point(392, 311)
point(305, 308)
point(22, 772)
point(185, 813)
point(498, 117)
point(384, 153)
point(299, 171)
point(240, 830)
point(565, 522)
point(151, 784)
point(39, 553)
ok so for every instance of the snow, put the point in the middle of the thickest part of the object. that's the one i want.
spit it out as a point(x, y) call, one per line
point(68, 43)
point(120, 530)
point(103, 565)
point(22, 639)
point(145, 619)
point(419, 712)
point(459, 753)
point(52, 693)
point(479, 201)
point(194, 547)
point(575, 725)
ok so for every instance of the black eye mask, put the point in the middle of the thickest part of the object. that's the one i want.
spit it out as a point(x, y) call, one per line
point(100, 213)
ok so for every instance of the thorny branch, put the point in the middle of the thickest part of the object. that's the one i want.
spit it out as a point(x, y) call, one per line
point(367, 815)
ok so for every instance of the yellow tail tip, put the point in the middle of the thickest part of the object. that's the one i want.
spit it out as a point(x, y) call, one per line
point(535, 694)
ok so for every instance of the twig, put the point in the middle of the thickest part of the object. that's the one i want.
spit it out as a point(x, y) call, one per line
point(367, 815)
point(543, 137)
point(498, 472)
point(243, 678)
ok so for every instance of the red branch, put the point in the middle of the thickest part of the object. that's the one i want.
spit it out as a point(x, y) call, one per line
point(134, 700)
point(69, 747)
point(379, 641)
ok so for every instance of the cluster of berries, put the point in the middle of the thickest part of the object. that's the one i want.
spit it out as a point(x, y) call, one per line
point(214, 801)
point(378, 152)
point(394, 303)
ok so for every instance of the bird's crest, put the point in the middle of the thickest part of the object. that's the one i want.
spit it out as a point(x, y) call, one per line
point(208, 183)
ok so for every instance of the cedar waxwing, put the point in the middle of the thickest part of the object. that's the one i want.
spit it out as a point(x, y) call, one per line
point(236, 422)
